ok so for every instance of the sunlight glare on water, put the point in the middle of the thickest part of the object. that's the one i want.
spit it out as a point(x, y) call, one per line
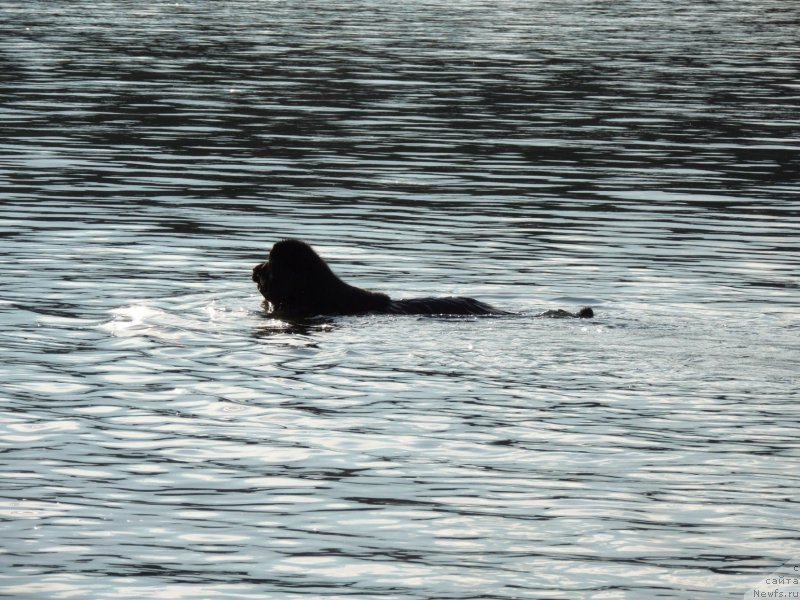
point(162, 436)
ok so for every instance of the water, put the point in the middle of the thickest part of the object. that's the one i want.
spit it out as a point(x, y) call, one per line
point(162, 437)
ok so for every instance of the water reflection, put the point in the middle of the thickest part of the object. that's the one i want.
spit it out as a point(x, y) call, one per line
point(304, 327)
point(161, 433)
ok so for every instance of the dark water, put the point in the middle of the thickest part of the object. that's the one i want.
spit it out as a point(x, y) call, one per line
point(162, 438)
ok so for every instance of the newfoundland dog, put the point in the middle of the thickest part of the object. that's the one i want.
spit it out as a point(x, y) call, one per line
point(298, 283)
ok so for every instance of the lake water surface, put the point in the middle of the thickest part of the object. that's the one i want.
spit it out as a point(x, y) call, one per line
point(161, 437)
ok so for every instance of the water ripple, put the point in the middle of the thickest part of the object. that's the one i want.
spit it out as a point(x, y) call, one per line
point(161, 436)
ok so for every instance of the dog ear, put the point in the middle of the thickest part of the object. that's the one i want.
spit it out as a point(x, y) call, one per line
point(284, 275)
point(300, 280)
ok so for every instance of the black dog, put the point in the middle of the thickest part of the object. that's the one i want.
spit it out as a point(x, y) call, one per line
point(298, 283)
